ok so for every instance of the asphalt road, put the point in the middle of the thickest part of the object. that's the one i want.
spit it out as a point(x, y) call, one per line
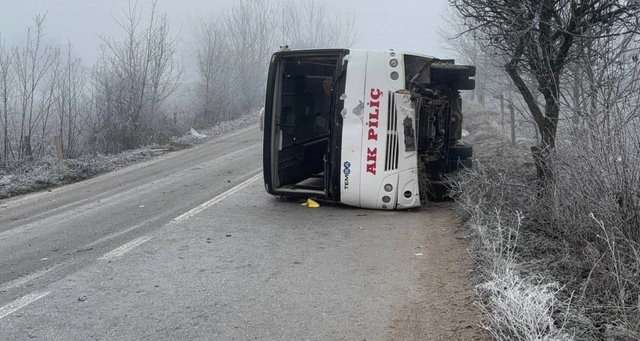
point(190, 247)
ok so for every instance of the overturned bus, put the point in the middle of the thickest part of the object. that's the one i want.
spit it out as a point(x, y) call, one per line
point(365, 128)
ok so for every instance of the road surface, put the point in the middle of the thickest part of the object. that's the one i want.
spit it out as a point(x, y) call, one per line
point(189, 246)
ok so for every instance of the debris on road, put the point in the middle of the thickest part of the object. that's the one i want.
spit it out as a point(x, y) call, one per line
point(311, 203)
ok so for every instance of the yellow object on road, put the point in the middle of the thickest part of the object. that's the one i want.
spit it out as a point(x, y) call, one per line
point(311, 203)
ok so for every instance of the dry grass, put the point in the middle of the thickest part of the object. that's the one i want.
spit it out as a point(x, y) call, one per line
point(25, 177)
point(517, 304)
point(563, 264)
point(593, 206)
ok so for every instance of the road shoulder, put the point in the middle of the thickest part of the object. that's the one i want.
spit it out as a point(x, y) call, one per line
point(443, 308)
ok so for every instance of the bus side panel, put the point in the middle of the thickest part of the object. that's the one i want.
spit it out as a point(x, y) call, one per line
point(353, 115)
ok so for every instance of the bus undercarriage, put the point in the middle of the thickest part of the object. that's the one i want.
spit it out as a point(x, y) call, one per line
point(439, 114)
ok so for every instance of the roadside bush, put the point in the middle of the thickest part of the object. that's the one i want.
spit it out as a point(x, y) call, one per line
point(26, 177)
point(568, 254)
point(517, 304)
point(29, 176)
point(593, 206)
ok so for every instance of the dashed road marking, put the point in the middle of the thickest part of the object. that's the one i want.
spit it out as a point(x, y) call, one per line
point(21, 281)
point(126, 248)
point(216, 200)
point(21, 303)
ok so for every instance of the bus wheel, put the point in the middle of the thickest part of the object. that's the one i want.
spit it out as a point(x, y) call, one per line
point(467, 84)
point(460, 151)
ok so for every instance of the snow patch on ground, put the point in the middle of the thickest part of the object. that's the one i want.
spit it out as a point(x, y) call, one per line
point(24, 177)
point(196, 137)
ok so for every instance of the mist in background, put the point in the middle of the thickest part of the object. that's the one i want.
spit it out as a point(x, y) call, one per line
point(109, 76)
point(402, 25)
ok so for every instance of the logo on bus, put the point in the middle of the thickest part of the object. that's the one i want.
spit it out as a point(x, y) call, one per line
point(373, 124)
point(346, 171)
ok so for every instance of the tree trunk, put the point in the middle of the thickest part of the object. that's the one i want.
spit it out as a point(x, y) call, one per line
point(28, 154)
point(542, 154)
point(546, 121)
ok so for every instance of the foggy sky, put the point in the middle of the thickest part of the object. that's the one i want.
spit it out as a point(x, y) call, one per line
point(411, 24)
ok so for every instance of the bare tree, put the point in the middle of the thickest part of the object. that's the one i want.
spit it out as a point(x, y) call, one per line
point(46, 101)
point(250, 28)
point(132, 79)
point(164, 71)
point(31, 64)
point(6, 79)
point(536, 39)
point(212, 62)
point(310, 24)
point(468, 49)
point(233, 50)
point(69, 98)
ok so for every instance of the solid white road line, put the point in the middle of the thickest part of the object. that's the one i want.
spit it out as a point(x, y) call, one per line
point(216, 200)
point(28, 299)
point(21, 281)
point(21, 303)
point(126, 248)
point(139, 241)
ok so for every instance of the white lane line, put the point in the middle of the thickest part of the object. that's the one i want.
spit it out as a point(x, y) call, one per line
point(216, 200)
point(139, 241)
point(115, 235)
point(126, 248)
point(21, 303)
point(21, 281)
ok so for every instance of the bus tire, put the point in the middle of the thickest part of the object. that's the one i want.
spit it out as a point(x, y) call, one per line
point(463, 71)
point(467, 84)
point(460, 151)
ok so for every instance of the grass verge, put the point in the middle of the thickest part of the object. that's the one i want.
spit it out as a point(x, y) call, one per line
point(25, 177)
point(558, 266)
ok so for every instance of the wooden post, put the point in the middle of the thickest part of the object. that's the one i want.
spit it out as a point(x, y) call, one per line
point(58, 143)
point(502, 110)
point(513, 124)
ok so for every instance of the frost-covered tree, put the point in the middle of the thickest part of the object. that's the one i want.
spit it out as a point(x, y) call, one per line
point(538, 39)
point(132, 79)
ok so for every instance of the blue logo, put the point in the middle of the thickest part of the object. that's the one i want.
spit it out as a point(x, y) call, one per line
point(346, 171)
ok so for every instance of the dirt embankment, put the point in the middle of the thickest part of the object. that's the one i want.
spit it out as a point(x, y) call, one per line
point(445, 308)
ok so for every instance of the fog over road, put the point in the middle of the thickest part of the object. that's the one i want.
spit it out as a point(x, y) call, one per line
point(189, 246)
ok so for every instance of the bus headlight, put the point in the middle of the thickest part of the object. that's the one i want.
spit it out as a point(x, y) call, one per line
point(393, 62)
point(395, 76)
point(386, 199)
point(388, 187)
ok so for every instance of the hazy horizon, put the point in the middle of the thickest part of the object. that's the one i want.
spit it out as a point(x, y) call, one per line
point(83, 23)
